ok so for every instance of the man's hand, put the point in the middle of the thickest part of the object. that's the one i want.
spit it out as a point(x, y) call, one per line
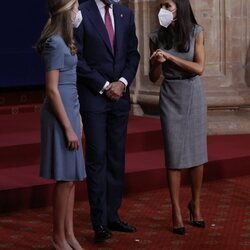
point(115, 90)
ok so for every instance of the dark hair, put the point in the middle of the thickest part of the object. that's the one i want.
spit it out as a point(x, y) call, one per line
point(179, 36)
point(59, 23)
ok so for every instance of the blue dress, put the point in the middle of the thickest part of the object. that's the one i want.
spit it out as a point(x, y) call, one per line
point(57, 161)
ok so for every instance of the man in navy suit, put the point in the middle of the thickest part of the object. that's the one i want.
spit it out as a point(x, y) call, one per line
point(107, 63)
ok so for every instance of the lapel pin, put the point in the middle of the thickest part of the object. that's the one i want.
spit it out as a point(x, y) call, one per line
point(121, 16)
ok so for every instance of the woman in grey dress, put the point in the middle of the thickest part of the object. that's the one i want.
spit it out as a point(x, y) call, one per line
point(61, 128)
point(177, 50)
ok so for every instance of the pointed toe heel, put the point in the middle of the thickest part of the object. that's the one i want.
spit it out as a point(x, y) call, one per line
point(195, 223)
point(179, 230)
point(198, 223)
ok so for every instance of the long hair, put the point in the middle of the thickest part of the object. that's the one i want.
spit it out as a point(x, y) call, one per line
point(59, 22)
point(179, 36)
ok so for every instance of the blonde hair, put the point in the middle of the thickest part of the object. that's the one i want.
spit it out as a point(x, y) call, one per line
point(59, 22)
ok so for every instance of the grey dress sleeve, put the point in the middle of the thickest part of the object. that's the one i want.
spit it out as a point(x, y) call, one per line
point(153, 37)
point(197, 30)
point(53, 54)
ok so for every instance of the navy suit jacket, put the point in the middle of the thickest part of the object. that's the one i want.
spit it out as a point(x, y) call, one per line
point(96, 61)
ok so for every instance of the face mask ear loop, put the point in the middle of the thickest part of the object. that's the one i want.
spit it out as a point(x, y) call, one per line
point(172, 13)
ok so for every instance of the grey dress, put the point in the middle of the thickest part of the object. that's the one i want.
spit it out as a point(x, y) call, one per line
point(57, 161)
point(183, 111)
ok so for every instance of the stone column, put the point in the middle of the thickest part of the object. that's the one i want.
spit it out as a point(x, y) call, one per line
point(227, 26)
point(226, 78)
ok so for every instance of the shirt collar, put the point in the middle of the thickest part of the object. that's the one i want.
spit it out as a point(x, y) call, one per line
point(101, 5)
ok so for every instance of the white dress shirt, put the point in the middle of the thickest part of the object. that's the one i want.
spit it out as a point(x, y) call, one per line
point(101, 7)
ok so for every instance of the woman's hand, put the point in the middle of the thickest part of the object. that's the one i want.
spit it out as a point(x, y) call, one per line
point(166, 55)
point(156, 60)
point(72, 139)
point(158, 57)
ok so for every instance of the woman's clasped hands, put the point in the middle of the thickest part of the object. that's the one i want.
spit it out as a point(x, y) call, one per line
point(160, 56)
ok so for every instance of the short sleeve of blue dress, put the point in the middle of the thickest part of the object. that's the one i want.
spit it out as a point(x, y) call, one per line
point(53, 54)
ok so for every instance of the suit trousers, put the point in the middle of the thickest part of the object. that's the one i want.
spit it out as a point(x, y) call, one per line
point(105, 133)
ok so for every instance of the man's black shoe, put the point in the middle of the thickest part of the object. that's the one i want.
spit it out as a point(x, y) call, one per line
point(121, 226)
point(102, 233)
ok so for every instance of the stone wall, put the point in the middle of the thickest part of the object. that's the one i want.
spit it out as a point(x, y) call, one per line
point(227, 74)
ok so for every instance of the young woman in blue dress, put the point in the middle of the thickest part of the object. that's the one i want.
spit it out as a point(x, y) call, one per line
point(61, 127)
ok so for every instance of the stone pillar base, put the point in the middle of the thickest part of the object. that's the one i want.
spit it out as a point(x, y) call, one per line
point(136, 110)
point(223, 116)
point(228, 122)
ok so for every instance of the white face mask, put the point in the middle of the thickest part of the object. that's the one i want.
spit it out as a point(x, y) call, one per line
point(78, 19)
point(165, 17)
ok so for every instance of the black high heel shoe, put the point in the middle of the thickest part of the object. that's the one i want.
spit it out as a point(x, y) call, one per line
point(196, 223)
point(179, 230)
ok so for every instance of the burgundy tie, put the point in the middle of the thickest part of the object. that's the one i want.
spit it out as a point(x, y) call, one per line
point(109, 27)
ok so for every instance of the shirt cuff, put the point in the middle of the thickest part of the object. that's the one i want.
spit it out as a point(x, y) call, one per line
point(125, 82)
point(104, 87)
